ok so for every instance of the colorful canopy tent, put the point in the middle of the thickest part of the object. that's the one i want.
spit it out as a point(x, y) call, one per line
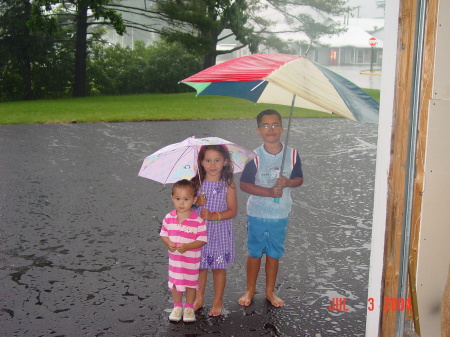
point(275, 78)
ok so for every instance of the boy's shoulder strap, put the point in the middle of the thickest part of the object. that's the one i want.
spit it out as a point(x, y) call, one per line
point(293, 154)
point(256, 159)
point(293, 157)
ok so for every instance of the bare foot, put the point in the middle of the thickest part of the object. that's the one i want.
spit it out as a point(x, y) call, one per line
point(275, 300)
point(247, 298)
point(216, 309)
point(198, 303)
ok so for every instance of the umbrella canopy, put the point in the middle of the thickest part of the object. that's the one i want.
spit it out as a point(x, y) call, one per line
point(275, 78)
point(179, 161)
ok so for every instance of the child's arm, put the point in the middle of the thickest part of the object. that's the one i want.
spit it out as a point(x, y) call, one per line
point(247, 183)
point(172, 247)
point(283, 182)
point(184, 247)
point(272, 192)
point(230, 212)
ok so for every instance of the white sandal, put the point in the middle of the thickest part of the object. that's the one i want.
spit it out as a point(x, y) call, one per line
point(189, 315)
point(176, 314)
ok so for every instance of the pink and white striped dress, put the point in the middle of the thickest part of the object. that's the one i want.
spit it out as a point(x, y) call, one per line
point(183, 268)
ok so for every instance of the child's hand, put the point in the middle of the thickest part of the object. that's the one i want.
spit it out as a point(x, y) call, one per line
point(282, 182)
point(275, 192)
point(205, 214)
point(172, 246)
point(201, 200)
point(182, 248)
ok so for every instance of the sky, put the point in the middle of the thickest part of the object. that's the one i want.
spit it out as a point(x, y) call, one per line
point(367, 9)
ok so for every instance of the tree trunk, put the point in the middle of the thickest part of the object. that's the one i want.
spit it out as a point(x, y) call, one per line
point(27, 76)
point(209, 59)
point(80, 80)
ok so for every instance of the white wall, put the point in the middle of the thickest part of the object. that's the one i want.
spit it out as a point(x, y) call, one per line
point(434, 248)
point(382, 168)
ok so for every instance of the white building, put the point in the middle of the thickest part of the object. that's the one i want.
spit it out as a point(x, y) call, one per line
point(349, 48)
point(352, 47)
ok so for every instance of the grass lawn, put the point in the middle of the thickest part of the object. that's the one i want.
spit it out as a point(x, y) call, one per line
point(141, 107)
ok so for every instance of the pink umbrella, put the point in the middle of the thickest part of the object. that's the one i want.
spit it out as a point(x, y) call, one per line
point(179, 161)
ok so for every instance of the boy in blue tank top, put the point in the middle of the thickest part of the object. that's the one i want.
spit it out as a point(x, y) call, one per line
point(268, 220)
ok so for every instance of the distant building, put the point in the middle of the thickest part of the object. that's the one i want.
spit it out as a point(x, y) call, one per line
point(349, 48)
point(130, 37)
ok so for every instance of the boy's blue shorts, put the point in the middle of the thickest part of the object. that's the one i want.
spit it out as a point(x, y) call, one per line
point(266, 236)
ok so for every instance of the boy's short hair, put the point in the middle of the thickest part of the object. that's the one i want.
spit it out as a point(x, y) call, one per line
point(268, 112)
point(184, 183)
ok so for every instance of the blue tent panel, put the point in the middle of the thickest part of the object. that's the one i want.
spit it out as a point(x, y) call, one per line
point(364, 107)
point(250, 90)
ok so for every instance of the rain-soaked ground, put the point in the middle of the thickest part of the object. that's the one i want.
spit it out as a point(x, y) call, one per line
point(360, 75)
point(80, 253)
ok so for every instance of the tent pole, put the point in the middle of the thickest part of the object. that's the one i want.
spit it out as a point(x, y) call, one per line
point(287, 134)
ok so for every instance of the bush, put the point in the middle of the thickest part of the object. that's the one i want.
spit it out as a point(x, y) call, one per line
point(154, 69)
point(168, 64)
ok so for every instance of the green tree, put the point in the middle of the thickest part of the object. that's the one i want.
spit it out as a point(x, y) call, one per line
point(196, 25)
point(115, 70)
point(156, 68)
point(85, 13)
point(17, 47)
point(199, 24)
point(168, 64)
point(32, 64)
point(312, 18)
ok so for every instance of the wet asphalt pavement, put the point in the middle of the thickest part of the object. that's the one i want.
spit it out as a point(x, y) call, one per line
point(80, 253)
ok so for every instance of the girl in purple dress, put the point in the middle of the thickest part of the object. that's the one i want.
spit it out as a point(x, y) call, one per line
point(215, 181)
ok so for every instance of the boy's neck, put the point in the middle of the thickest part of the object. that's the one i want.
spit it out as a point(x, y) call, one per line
point(273, 148)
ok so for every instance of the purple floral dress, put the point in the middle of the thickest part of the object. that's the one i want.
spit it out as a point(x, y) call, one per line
point(219, 250)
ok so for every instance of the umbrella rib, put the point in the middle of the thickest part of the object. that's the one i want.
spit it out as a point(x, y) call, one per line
point(258, 85)
point(175, 164)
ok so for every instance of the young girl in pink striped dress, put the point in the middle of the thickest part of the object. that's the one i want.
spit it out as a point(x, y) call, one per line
point(183, 231)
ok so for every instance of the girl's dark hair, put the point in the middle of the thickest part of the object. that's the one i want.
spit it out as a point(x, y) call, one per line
point(184, 183)
point(227, 171)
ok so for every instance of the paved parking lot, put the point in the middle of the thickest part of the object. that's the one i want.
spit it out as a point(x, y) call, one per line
point(80, 252)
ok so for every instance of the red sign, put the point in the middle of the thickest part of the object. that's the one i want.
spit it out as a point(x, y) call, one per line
point(373, 41)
